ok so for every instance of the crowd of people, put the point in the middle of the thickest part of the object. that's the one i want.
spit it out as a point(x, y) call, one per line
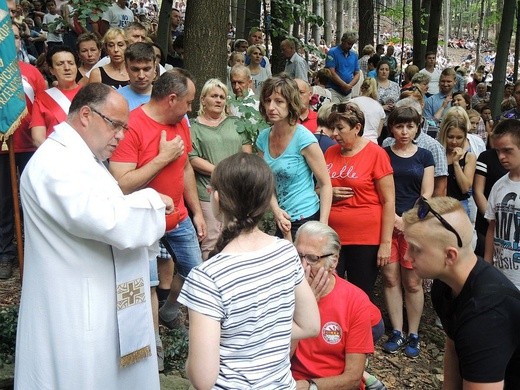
point(139, 206)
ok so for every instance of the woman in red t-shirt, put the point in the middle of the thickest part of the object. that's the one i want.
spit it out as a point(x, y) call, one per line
point(363, 203)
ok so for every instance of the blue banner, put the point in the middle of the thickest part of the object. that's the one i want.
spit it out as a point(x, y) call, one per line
point(12, 97)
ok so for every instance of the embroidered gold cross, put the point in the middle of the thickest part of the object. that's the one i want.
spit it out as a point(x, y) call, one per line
point(130, 293)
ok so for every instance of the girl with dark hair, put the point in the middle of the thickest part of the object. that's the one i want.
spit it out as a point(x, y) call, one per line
point(251, 298)
point(413, 178)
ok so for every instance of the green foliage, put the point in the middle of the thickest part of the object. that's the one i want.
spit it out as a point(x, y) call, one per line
point(286, 13)
point(8, 323)
point(250, 121)
point(175, 346)
point(85, 9)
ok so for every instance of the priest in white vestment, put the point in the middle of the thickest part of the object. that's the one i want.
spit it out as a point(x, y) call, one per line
point(85, 317)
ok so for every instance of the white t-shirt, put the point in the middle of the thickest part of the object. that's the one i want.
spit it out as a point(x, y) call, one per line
point(117, 16)
point(504, 209)
point(433, 86)
point(52, 37)
point(374, 114)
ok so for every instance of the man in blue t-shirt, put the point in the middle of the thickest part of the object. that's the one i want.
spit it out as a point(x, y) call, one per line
point(342, 62)
point(142, 70)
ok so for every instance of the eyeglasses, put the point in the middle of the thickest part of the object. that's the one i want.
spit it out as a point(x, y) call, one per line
point(423, 208)
point(312, 259)
point(116, 126)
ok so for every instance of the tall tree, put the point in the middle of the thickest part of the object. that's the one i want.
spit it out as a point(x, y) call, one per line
point(340, 17)
point(327, 13)
point(205, 41)
point(504, 43)
point(433, 25)
point(164, 27)
point(420, 21)
point(316, 10)
point(366, 22)
point(481, 27)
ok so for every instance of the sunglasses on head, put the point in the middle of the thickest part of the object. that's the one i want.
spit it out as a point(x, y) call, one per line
point(423, 208)
point(341, 108)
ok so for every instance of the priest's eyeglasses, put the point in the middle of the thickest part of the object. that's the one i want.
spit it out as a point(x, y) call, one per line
point(116, 126)
point(423, 208)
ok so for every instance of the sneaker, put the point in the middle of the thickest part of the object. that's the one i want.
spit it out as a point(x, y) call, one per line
point(6, 269)
point(176, 323)
point(413, 347)
point(438, 322)
point(394, 342)
point(372, 383)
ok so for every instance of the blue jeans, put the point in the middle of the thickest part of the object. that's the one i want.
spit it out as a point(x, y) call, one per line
point(183, 246)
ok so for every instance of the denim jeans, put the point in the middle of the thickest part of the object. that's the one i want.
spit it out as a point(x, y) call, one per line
point(183, 245)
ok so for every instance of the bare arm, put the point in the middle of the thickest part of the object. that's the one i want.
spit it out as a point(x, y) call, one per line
point(386, 191)
point(314, 157)
point(490, 241)
point(350, 378)
point(202, 365)
point(38, 135)
point(131, 179)
point(191, 198)
point(464, 177)
point(337, 80)
point(204, 167)
point(282, 219)
point(439, 185)
point(306, 319)
point(427, 183)
point(452, 379)
point(95, 76)
point(479, 183)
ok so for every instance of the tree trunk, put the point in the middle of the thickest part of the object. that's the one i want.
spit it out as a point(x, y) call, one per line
point(297, 25)
point(366, 23)
point(420, 20)
point(340, 18)
point(233, 12)
point(499, 71)
point(316, 30)
point(481, 27)
point(277, 23)
point(517, 44)
point(433, 26)
point(327, 12)
point(205, 58)
point(164, 27)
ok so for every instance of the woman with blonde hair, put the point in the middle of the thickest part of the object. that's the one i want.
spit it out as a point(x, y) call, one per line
point(373, 110)
point(258, 73)
point(461, 163)
point(214, 137)
point(113, 74)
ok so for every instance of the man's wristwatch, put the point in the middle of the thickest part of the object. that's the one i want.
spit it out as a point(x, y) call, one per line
point(312, 385)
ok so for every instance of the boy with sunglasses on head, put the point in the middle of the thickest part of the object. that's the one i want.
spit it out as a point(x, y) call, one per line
point(471, 297)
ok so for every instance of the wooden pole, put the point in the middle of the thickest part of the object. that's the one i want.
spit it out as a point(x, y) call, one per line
point(16, 204)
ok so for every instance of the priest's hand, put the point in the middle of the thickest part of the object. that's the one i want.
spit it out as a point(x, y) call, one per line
point(168, 202)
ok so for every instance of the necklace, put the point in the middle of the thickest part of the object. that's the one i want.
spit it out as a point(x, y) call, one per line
point(403, 152)
point(121, 70)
